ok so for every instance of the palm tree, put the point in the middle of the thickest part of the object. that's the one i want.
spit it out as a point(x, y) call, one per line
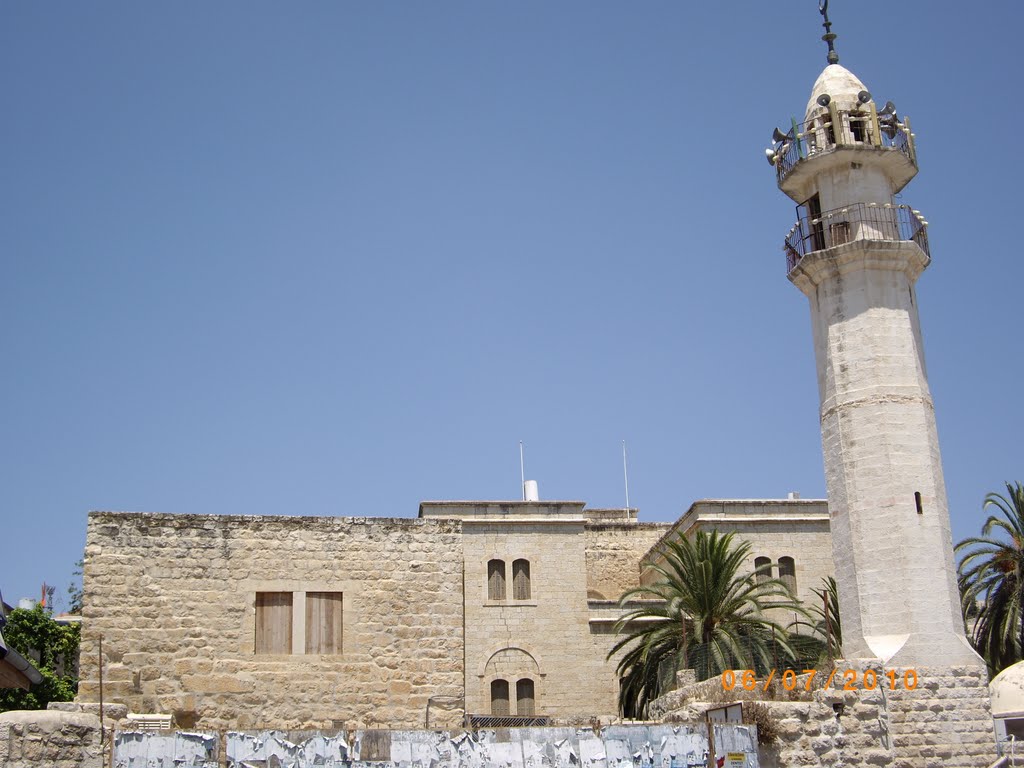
point(705, 613)
point(991, 572)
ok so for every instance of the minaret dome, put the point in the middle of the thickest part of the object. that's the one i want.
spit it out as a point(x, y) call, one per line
point(842, 87)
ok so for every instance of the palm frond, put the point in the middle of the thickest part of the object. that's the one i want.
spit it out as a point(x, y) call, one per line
point(990, 575)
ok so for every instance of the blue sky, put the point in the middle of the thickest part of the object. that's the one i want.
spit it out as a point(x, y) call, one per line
point(337, 258)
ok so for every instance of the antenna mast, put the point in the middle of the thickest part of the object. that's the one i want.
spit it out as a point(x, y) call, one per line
point(625, 476)
point(522, 471)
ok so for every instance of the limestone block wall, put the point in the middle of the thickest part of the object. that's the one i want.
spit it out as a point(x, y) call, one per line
point(53, 739)
point(942, 719)
point(545, 638)
point(613, 555)
point(945, 721)
point(174, 599)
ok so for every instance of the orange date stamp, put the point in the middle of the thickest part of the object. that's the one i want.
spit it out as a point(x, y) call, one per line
point(847, 679)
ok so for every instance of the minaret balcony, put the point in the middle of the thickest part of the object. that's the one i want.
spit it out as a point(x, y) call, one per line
point(843, 137)
point(857, 221)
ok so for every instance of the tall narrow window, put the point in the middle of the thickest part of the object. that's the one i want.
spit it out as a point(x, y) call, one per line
point(521, 580)
point(496, 580)
point(787, 572)
point(763, 569)
point(323, 622)
point(499, 698)
point(273, 622)
point(815, 229)
point(524, 698)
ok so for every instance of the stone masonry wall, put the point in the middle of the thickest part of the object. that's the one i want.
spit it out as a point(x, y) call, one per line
point(545, 638)
point(613, 554)
point(945, 721)
point(52, 739)
point(941, 719)
point(173, 597)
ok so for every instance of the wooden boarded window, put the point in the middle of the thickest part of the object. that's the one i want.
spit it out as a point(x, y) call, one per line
point(323, 622)
point(496, 580)
point(763, 569)
point(521, 580)
point(524, 698)
point(787, 572)
point(499, 698)
point(273, 622)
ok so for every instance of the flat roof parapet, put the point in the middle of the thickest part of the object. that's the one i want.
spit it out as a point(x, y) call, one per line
point(504, 511)
point(609, 515)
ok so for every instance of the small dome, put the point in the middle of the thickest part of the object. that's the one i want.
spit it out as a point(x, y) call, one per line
point(839, 83)
point(1007, 690)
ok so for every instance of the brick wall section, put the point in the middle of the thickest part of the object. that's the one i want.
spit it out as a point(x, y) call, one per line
point(173, 597)
point(613, 553)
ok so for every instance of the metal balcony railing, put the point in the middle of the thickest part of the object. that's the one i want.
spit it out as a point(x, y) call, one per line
point(820, 135)
point(858, 221)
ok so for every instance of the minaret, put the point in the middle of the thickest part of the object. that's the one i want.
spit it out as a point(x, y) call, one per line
point(856, 253)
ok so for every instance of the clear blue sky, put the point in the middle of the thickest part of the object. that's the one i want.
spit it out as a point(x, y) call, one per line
point(334, 258)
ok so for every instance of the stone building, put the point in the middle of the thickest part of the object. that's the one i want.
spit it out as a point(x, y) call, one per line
point(504, 609)
point(492, 609)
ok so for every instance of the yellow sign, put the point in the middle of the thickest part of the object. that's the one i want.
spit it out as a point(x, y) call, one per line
point(736, 759)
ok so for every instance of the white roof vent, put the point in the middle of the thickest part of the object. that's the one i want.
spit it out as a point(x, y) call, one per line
point(530, 491)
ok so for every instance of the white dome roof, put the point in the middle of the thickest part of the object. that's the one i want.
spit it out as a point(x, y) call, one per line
point(1007, 690)
point(839, 83)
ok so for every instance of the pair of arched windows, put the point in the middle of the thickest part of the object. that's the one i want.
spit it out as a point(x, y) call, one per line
point(520, 580)
point(787, 571)
point(501, 706)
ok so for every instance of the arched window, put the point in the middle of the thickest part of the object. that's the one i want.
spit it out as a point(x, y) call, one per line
point(763, 569)
point(499, 698)
point(524, 698)
point(787, 572)
point(521, 580)
point(496, 580)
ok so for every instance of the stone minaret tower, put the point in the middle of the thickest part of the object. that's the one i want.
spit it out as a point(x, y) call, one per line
point(856, 253)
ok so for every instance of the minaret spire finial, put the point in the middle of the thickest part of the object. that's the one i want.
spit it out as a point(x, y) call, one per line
point(829, 37)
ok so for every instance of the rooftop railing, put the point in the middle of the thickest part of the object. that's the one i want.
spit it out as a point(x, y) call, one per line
point(851, 129)
point(858, 221)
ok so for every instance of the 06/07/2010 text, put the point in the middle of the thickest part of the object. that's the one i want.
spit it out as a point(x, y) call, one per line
point(851, 679)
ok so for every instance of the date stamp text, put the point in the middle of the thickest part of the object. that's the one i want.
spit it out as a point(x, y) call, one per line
point(847, 679)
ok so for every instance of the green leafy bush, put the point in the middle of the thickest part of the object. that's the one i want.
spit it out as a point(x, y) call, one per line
point(34, 634)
